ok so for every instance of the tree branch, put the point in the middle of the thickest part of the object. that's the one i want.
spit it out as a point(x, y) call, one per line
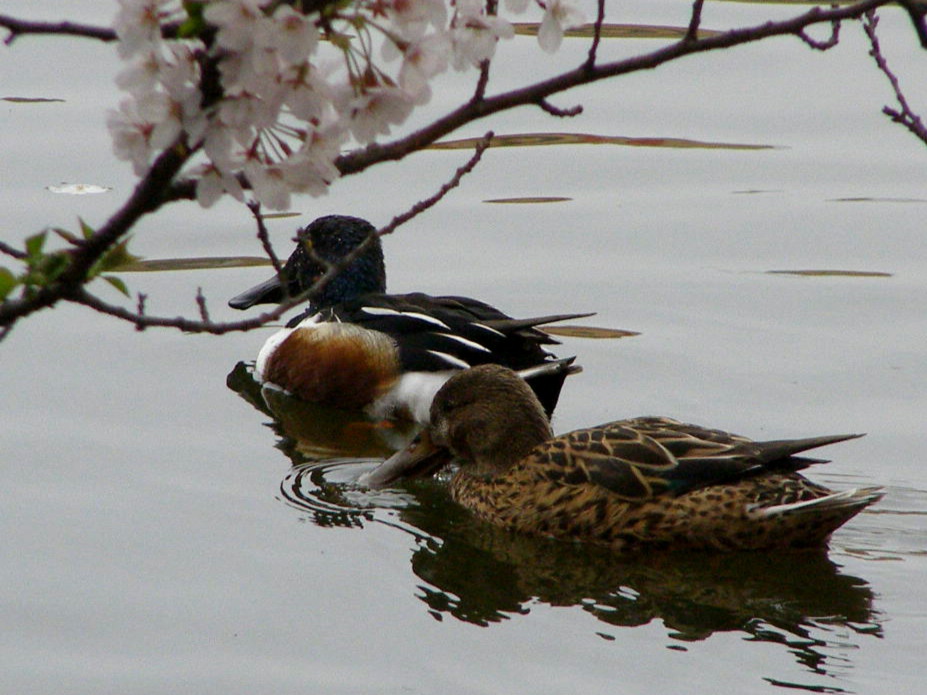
point(906, 116)
point(832, 41)
point(147, 196)
point(360, 159)
point(558, 112)
point(694, 21)
point(20, 27)
point(597, 35)
point(10, 251)
point(141, 320)
point(480, 106)
point(264, 237)
point(158, 186)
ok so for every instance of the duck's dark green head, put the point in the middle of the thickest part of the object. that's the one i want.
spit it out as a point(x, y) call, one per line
point(327, 239)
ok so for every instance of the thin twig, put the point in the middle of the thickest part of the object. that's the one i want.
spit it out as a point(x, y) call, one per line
point(147, 197)
point(264, 237)
point(423, 205)
point(560, 113)
point(822, 45)
point(141, 320)
point(140, 310)
point(596, 35)
point(694, 22)
point(480, 92)
point(10, 251)
point(906, 116)
point(483, 80)
point(201, 305)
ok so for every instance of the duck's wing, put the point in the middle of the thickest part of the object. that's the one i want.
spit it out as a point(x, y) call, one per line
point(440, 333)
point(639, 459)
point(487, 315)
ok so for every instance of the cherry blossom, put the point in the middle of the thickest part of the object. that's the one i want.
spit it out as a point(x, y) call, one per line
point(474, 34)
point(559, 15)
point(281, 102)
point(138, 25)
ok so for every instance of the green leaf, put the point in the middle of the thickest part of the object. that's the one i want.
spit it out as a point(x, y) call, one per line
point(118, 284)
point(116, 257)
point(34, 245)
point(66, 235)
point(194, 25)
point(86, 229)
point(7, 282)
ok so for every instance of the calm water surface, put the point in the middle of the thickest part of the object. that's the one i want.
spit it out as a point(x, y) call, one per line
point(167, 529)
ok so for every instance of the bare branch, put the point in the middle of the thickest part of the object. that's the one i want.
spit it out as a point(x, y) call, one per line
point(480, 92)
point(423, 205)
point(147, 196)
point(262, 235)
point(20, 27)
point(10, 251)
point(694, 21)
point(201, 305)
point(360, 159)
point(822, 45)
point(560, 113)
point(141, 320)
point(596, 35)
point(906, 116)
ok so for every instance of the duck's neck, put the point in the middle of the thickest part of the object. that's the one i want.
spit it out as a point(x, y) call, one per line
point(365, 275)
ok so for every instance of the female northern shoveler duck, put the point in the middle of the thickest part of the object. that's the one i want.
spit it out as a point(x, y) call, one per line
point(357, 347)
point(642, 483)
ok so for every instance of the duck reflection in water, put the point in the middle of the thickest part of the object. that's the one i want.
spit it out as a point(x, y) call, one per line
point(312, 432)
point(478, 573)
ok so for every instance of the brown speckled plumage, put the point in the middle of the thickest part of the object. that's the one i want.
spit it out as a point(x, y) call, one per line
point(646, 482)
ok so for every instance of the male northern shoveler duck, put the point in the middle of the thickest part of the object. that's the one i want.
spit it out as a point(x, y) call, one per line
point(642, 483)
point(357, 347)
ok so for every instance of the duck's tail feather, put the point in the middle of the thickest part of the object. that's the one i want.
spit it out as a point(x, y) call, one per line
point(852, 501)
point(508, 324)
point(562, 366)
point(546, 379)
point(782, 449)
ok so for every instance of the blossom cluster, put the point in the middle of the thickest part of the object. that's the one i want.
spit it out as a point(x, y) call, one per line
point(266, 90)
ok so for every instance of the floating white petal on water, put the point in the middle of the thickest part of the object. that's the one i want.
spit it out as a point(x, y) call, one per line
point(78, 188)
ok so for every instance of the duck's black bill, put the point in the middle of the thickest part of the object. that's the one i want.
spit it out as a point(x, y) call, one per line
point(268, 292)
point(418, 460)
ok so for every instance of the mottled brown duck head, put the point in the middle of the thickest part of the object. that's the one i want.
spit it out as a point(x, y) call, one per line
point(486, 418)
